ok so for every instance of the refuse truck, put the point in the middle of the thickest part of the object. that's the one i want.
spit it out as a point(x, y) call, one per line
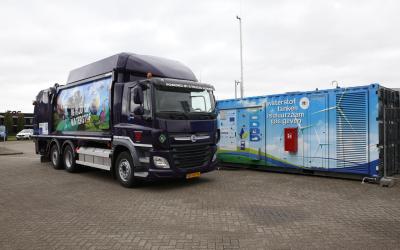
point(138, 116)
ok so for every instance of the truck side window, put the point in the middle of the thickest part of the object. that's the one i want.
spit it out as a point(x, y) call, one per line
point(146, 101)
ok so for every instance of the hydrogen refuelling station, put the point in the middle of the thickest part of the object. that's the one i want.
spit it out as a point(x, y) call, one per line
point(348, 132)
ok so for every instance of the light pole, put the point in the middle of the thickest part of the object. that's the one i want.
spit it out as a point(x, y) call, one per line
point(236, 84)
point(241, 57)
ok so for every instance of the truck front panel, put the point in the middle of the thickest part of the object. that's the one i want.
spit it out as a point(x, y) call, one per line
point(185, 139)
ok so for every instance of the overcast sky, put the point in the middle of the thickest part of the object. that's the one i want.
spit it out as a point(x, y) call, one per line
point(288, 45)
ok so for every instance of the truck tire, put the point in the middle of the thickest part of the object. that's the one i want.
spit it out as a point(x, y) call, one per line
point(69, 159)
point(55, 157)
point(124, 169)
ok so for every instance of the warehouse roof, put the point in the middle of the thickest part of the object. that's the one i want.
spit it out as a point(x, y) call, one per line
point(142, 64)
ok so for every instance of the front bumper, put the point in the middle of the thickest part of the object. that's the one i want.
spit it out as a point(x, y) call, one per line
point(177, 171)
point(180, 172)
point(22, 137)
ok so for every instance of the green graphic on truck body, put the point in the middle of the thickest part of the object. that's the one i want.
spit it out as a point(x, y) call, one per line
point(84, 108)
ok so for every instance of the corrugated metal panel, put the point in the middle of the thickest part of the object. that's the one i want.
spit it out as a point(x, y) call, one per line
point(351, 128)
point(389, 99)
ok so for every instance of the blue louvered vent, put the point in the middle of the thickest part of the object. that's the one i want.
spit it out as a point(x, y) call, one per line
point(351, 129)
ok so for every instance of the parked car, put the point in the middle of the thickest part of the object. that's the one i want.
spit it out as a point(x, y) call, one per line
point(3, 133)
point(24, 134)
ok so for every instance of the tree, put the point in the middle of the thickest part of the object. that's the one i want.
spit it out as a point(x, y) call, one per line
point(20, 122)
point(8, 122)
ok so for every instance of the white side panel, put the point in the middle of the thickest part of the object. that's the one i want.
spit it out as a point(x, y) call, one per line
point(43, 128)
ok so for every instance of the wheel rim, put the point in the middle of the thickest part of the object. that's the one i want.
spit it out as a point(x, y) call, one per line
point(68, 159)
point(124, 169)
point(54, 157)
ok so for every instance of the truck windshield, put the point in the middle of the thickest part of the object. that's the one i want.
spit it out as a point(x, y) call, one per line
point(184, 101)
point(2, 128)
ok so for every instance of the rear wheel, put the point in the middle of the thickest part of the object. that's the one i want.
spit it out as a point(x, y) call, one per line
point(55, 157)
point(124, 170)
point(69, 159)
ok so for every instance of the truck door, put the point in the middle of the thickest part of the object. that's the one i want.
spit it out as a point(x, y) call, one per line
point(137, 127)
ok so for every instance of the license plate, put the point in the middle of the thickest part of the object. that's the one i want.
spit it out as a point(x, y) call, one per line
point(193, 175)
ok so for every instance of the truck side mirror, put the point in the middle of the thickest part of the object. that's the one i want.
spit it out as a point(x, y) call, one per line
point(138, 95)
point(139, 110)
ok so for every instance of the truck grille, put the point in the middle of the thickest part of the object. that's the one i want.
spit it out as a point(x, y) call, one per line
point(191, 155)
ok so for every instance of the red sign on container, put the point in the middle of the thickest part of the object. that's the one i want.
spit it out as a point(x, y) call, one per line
point(291, 138)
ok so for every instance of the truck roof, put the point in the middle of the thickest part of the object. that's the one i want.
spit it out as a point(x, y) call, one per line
point(142, 64)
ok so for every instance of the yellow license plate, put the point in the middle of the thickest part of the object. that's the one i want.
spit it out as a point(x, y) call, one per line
point(193, 175)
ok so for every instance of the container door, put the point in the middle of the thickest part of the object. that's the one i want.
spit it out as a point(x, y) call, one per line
point(315, 133)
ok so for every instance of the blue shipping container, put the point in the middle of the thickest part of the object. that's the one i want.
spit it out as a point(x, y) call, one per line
point(338, 130)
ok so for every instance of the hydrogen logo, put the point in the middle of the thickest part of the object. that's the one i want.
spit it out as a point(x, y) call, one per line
point(304, 103)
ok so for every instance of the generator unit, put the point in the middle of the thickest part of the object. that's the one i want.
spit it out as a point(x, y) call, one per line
point(351, 132)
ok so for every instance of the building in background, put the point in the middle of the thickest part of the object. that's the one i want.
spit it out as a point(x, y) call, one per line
point(27, 116)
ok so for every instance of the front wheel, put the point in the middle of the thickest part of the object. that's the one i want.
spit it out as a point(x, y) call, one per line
point(124, 170)
point(69, 159)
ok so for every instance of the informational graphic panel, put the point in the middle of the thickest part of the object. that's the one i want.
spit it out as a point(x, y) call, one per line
point(256, 132)
point(243, 130)
point(254, 125)
point(283, 112)
point(227, 125)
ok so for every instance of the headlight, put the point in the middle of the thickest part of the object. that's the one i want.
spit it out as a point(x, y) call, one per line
point(214, 157)
point(160, 162)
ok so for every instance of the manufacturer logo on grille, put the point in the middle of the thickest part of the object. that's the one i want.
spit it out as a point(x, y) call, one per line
point(162, 138)
point(193, 138)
